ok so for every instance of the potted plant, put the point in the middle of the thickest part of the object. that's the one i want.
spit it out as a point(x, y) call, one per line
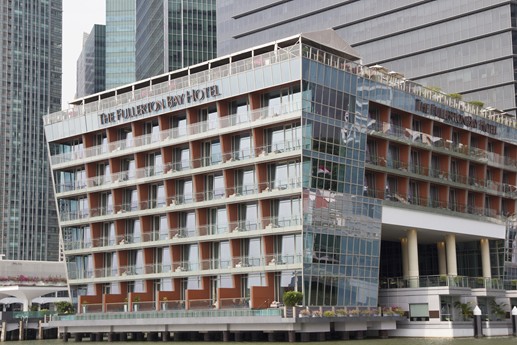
point(292, 298)
point(329, 313)
point(498, 310)
point(164, 303)
point(64, 307)
point(135, 303)
point(304, 313)
point(341, 312)
point(125, 304)
point(316, 313)
point(465, 309)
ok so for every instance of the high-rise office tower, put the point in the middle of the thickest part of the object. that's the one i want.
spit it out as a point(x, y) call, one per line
point(91, 64)
point(120, 42)
point(30, 87)
point(463, 46)
point(172, 34)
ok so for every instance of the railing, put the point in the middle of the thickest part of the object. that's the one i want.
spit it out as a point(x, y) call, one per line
point(181, 166)
point(398, 82)
point(164, 88)
point(442, 280)
point(260, 262)
point(480, 184)
point(172, 313)
point(184, 134)
point(412, 199)
point(438, 143)
point(270, 186)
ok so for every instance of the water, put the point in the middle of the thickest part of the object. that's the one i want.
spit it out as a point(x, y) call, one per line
point(391, 341)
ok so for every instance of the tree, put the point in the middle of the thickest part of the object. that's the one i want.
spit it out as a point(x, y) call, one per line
point(64, 307)
point(292, 298)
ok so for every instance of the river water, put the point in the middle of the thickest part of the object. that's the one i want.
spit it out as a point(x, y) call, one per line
point(391, 341)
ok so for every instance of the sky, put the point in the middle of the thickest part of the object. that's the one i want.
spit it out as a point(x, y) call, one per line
point(79, 16)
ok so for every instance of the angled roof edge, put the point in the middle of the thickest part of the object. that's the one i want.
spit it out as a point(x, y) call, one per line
point(330, 39)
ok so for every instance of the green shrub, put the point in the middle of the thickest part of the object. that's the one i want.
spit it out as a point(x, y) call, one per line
point(65, 307)
point(329, 313)
point(457, 96)
point(478, 103)
point(292, 298)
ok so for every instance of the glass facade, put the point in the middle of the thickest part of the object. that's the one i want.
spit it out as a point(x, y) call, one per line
point(91, 65)
point(30, 87)
point(120, 42)
point(173, 34)
point(461, 46)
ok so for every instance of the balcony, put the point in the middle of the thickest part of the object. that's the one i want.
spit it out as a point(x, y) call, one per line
point(260, 263)
point(442, 281)
point(175, 136)
point(472, 183)
point(424, 140)
point(178, 169)
point(395, 197)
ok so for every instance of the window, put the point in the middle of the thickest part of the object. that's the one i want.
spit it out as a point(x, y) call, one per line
point(248, 217)
point(212, 153)
point(208, 118)
point(286, 212)
point(239, 109)
point(242, 147)
point(218, 220)
point(214, 187)
point(284, 175)
point(245, 182)
point(284, 138)
point(184, 191)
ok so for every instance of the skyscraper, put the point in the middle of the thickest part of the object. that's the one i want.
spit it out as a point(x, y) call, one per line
point(30, 87)
point(172, 34)
point(120, 42)
point(463, 46)
point(91, 65)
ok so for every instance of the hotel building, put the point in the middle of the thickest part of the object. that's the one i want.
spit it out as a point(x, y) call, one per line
point(288, 166)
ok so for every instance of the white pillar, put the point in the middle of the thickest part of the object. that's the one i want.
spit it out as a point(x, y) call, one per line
point(442, 261)
point(405, 263)
point(412, 243)
point(450, 246)
point(485, 258)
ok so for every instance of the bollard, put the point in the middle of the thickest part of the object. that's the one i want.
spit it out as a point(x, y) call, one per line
point(478, 328)
point(514, 321)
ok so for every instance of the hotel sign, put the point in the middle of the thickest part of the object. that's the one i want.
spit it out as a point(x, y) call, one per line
point(170, 102)
point(454, 117)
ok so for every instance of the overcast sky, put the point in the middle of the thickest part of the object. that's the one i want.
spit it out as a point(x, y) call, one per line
point(78, 17)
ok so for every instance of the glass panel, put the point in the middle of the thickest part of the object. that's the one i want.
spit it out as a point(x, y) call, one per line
point(215, 153)
point(254, 251)
point(164, 231)
point(160, 195)
point(221, 221)
point(224, 254)
point(184, 159)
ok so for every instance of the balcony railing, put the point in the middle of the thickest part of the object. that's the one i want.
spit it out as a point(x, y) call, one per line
point(398, 82)
point(411, 136)
point(132, 176)
point(271, 261)
point(164, 88)
point(441, 281)
point(414, 199)
point(482, 185)
point(279, 185)
point(184, 134)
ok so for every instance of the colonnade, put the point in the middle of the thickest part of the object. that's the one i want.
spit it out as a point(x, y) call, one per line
point(447, 261)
